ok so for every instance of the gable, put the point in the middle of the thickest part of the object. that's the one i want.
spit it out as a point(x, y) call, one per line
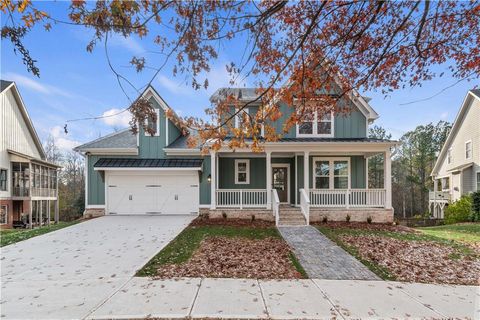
point(16, 125)
point(465, 128)
point(152, 146)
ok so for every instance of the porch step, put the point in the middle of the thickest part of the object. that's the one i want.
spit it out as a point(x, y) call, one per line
point(291, 216)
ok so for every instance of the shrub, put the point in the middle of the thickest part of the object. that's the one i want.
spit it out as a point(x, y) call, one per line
point(325, 219)
point(224, 215)
point(347, 218)
point(369, 219)
point(253, 217)
point(459, 211)
point(475, 214)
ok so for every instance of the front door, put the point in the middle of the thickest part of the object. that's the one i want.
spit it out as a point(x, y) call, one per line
point(280, 182)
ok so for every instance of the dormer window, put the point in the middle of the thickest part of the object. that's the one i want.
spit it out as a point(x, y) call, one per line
point(318, 126)
point(240, 118)
point(153, 126)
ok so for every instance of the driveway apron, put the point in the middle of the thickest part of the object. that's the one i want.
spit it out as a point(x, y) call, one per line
point(68, 273)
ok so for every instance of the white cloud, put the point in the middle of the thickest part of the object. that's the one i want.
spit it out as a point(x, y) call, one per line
point(218, 77)
point(116, 117)
point(128, 43)
point(173, 86)
point(61, 140)
point(35, 85)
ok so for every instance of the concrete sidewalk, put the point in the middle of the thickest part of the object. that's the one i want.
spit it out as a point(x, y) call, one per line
point(287, 299)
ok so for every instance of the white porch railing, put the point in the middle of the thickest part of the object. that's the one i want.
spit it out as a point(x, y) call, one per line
point(276, 206)
point(305, 205)
point(348, 198)
point(241, 198)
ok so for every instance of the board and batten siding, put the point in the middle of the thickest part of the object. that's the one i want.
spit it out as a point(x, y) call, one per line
point(469, 130)
point(15, 134)
point(152, 146)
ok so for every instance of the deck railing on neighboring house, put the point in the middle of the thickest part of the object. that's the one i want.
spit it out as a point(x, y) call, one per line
point(21, 191)
point(439, 196)
point(241, 198)
point(348, 198)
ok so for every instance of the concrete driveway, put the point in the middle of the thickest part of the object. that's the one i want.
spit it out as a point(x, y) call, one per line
point(68, 273)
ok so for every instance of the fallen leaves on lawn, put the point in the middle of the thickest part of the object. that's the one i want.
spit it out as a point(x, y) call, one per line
point(226, 257)
point(366, 226)
point(418, 261)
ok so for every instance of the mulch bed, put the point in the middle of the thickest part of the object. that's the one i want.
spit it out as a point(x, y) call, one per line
point(232, 223)
point(366, 226)
point(418, 261)
point(236, 257)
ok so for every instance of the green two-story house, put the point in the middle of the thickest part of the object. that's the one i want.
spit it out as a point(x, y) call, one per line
point(318, 169)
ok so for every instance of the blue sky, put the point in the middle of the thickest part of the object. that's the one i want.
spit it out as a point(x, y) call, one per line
point(77, 84)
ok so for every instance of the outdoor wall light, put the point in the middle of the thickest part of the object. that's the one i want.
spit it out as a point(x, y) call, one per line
point(209, 178)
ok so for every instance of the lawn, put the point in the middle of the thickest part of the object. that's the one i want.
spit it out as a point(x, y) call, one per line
point(462, 232)
point(216, 248)
point(9, 236)
point(403, 254)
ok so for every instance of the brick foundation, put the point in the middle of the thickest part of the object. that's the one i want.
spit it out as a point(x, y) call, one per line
point(260, 214)
point(9, 204)
point(316, 214)
point(93, 212)
point(356, 215)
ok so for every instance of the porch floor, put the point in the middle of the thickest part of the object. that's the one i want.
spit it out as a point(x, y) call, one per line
point(323, 259)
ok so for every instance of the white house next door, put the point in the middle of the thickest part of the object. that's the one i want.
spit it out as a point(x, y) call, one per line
point(145, 192)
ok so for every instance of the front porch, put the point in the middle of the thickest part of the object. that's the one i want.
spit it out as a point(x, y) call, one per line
point(335, 181)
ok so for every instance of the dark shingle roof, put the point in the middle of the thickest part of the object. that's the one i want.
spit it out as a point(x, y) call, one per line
point(147, 163)
point(181, 142)
point(121, 139)
point(476, 92)
point(244, 94)
point(4, 84)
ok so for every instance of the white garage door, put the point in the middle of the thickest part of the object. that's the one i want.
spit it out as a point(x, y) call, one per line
point(148, 192)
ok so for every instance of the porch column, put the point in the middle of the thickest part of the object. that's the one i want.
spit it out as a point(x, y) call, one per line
point(213, 182)
point(30, 215)
point(306, 169)
point(269, 178)
point(57, 210)
point(388, 178)
point(41, 212)
point(49, 213)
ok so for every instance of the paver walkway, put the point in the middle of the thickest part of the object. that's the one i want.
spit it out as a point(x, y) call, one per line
point(287, 299)
point(323, 259)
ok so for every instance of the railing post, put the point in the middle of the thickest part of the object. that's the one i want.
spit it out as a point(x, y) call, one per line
point(347, 199)
point(241, 199)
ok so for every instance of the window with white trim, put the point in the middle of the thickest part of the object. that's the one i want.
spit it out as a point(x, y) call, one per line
point(331, 173)
point(3, 214)
point(449, 156)
point(468, 149)
point(3, 179)
point(478, 180)
point(316, 125)
point(446, 184)
point(241, 117)
point(154, 125)
point(242, 171)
